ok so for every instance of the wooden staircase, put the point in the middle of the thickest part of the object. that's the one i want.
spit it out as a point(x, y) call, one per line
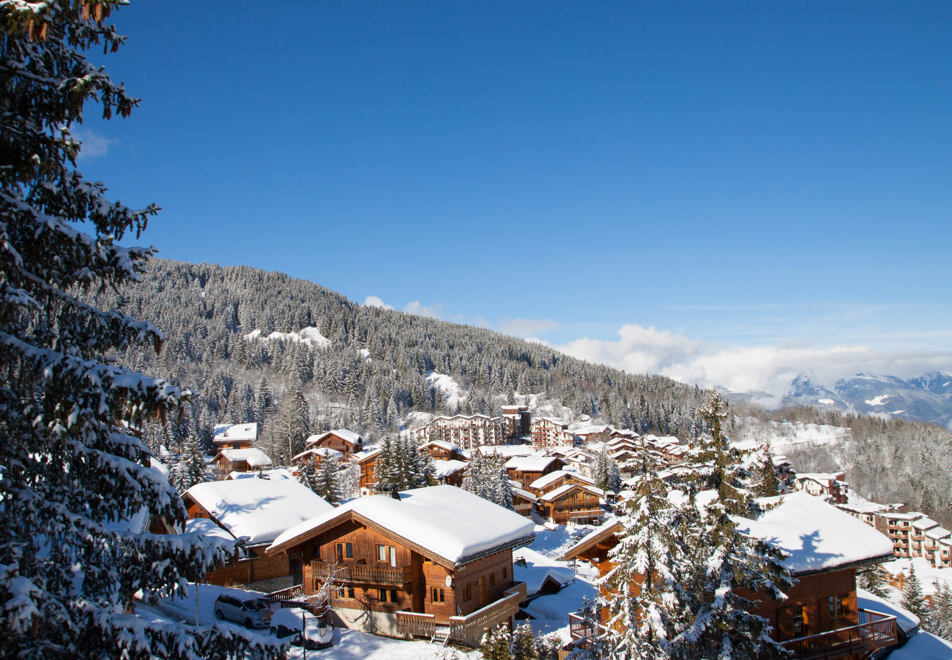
point(441, 636)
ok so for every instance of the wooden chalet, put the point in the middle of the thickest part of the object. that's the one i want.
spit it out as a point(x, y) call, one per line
point(449, 473)
point(346, 442)
point(435, 559)
point(526, 469)
point(252, 512)
point(235, 436)
point(316, 456)
point(557, 479)
point(367, 462)
point(825, 549)
point(573, 504)
point(830, 487)
point(440, 450)
point(246, 459)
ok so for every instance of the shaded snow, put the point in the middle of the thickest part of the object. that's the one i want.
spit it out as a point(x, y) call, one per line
point(452, 392)
point(924, 646)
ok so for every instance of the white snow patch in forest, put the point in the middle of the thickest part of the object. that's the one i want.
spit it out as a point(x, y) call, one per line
point(826, 402)
point(310, 336)
point(878, 400)
point(452, 392)
point(750, 433)
point(365, 354)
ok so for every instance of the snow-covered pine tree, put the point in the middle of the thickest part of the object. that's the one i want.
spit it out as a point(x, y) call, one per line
point(327, 483)
point(873, 581)
point(939, 620)
point(766, 483)
point(73, 476)
point(307, 475)
point(485, 476)
point(641, 593)
point(189, 467)
point(401, 466)
point(721, 559)
point(605, 472)
point(913, 598)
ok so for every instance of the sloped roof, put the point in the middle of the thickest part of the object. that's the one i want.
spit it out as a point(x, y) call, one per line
point(553, 495)
point(552, 477)
point(343, 434)
point(530, 463)
point(236, 432)
point(452, 524)
point(817, 536)
point(258, 509)
point(250, 455)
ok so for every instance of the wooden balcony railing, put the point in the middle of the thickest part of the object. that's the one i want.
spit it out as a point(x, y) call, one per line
point(469, 629)
point(396, 575)
point(874, 630)
point(416, 624)
point(580, 628)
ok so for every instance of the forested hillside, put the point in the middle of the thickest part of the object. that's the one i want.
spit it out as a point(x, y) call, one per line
point(368, 368)
point(360, 367)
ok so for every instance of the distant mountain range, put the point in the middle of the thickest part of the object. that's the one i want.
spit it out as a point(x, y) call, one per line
point(925, 398)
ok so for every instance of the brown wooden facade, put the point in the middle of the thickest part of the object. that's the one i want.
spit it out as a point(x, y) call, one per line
point(577, 504)
point(336, 441)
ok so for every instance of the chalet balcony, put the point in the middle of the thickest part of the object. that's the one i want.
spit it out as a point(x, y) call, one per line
point(580, 628)
point(364, 573)
point(467, 629)
point(875, 630)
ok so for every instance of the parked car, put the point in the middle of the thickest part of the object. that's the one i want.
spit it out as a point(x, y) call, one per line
point(251, 610)
point(290, 621)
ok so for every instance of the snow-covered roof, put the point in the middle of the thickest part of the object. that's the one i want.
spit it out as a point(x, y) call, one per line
point(207, 528)
point(236, 432)
point(453, 524)
point(552, 477)
point(862, 506)
point(538, 570)
point(258, 509)
point(343, 434)
point(250, 455)
point(816, 535)
point(362, 456)
point(523, 493)
point(607, 529)
point(553, 495)
point(506, 450)
point(274, 473)
point(530, 463)
point(896, 515)
point(824, 478)
point(323, 452)
point(443, 469)
point(937, 533)
point(924, 523)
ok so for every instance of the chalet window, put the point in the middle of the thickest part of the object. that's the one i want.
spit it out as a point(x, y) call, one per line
point(798, 627)
point(387, 552)
point(468, 591)
point(345, 591)
point(839, 606)
point(387, 595)
point(505, 572)
point(438, 595)
point(345, 551)
point(492, 579)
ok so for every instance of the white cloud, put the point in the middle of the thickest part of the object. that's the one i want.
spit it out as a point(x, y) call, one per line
point(416, 307)
point(375, 301)
point(747, 368)
point(526, 327)
point(94, 145)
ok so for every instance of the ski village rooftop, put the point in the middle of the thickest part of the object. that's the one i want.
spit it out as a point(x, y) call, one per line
point(428, 571)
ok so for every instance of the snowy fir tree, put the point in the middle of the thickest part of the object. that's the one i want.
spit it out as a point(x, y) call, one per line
point(766, 483)
point(500, 643)
point(720, 559)
point(486, 476)
point(606, 473)
point(401, 466)
point(913, 598)
point(939, 619)
point(74, 478)
point(307, 475)
point(327, 481)
point(873, 581)
point(189, 467)
point(642, 594)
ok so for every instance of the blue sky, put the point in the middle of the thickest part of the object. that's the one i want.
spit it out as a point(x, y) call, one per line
point(676, 180)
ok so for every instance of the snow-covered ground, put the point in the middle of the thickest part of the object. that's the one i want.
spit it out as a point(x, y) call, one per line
point(925, 573)
point(752, 433)
point(348, 644)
